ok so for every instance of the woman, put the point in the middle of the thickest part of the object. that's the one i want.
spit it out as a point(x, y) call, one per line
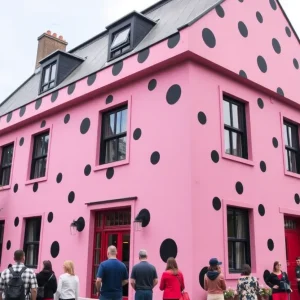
point(214, 282)
point(172, 282)
point(247, 287)
point(46, 281)
point(279, 283)
point(68, 284)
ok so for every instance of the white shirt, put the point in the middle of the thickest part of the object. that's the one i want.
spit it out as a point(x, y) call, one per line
point(68, 287)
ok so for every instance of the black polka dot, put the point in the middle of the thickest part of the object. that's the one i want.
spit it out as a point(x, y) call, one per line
point(239, 188)
point(85, 125)
point(276, 46)
point(168, 248)
point(266, 276)
point(275, 142)
point(208, 38)
point(202, 274)
point(21, 141)
point(270, 244)
point(81, 225)
point(260, 103)
point(117, 68)
point(296, 64)
point(59, 178)
point(109, 99)
point(137, 134)
point(71, 197)
point(297, 198)
point(174, 40)
point(280, 91)
point(54, 96)
point(91, 79)
point(16, 222)
point(259, 17)
point(110, 173)
point(35, 187)
point(288, 31)
point(8, 117)
point(173, 94)
point(8, 244)
point(16, 187)
point(273, 4)
point(202, 118)
point(155, 157)
point(220, 11)
point(152, 84)
point(242, 73)
point(50, 217)
point(87, 170)
point(38, 103)
point(67, 118)
point(43, 124)
point(243, 29)
point(261, 210)
point(22, 111)
point(215, 156)
point(262, 64)
point(71, 88)
point(263, 166)
point(216, 203)
point(54, 249)
point(143, 55)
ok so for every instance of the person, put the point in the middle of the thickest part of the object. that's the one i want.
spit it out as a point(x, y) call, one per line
point(214, 282)
point(297, 270)
point(111, 276)
point(68, 283)
point(172, 281)
point(46, 279)
point(279, 282)
point(143, 278)
point(247, 287)
point(28, 279)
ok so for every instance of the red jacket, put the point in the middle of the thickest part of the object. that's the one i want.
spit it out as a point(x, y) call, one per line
point(172, 285)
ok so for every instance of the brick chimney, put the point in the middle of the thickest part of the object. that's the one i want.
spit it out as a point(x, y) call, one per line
point(49, 43)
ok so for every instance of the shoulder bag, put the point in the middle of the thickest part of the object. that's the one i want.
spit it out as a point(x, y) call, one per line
point(184, 295)
point(41, 289)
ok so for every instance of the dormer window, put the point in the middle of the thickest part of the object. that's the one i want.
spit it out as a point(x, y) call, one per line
point(121, 42)
point(49, 75)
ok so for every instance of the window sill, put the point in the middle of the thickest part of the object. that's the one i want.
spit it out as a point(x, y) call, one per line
point(238, 159)
point(236, 276)
point(32, 181)
point(291, 174)
point(111, 165)
point(4, 188)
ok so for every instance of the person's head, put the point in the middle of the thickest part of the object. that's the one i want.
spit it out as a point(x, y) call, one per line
point(276, 266)
point(19, 256)
point(172, 265)
point(69, 267)
point(246, 270)
point(298, 261)
point(47, 266)
point(143, 255)
point(9, 266)
point(214, 265)
point(112, 252)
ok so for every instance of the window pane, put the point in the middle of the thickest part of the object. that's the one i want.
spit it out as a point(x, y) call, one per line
point(7, 155)
point(237, 144)
point(113, 240)
point(5, 176)
point(294, 137)
point(120, 38)
point(121, 121)
point(285, 134)
point(237, 116)
point(51, 85)
point(230, 255)
point(230, 223)
point(40, 168)
point(122, 148)
point(97, 257)
point(241, 225)
point(53, 72)
point(109, 125)
point(45, 88)
point(240, 255)
point(41, 145)
point(31, 254)
point(292, 161)
point(227, 141)
point(33, 229)
point(111, 151)
point(46, 75)
point(226, 112)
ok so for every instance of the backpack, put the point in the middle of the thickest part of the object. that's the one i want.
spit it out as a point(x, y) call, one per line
point(15, 289)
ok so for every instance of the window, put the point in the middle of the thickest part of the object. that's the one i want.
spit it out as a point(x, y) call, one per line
point(292, 153)
point(120, 42)
point(39, 155)
point(235, 128)
point(1, 238)
point(6, 161)
point(48, 80)
point(32, 241)
point(238, 239)
point(114, 132)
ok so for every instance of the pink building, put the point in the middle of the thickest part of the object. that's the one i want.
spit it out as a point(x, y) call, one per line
point(184, 117)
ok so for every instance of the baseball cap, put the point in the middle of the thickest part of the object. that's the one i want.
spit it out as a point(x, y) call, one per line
point(214, 262)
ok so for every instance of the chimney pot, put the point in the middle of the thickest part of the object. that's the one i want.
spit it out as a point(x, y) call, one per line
point(61, 37)
point(48, 32)
point(54, 35)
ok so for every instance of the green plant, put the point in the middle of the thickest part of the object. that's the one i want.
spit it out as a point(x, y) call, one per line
point(230, 293)
point(265, 291)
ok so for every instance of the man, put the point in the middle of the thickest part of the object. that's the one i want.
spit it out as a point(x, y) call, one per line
point(143, 278)
point(298, 272)
point(24, 280)
point(112, 275)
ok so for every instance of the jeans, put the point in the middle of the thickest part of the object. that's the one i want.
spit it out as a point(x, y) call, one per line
point(143, 295)
point(114, 298)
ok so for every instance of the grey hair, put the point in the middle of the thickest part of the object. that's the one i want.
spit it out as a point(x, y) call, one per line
point(143, 254)
point(112, 250)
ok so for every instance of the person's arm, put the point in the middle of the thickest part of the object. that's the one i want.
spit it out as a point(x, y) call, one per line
point(125, 276)
point(33, 286)
point(54, 284)
point(205, 283)
point(162, 282)
point(155, 277)
point(2, 284)
point(182, 282)
point(77, 288)
point(133, 278)
point(223, 283)
point(59, 287)
point(100, 275)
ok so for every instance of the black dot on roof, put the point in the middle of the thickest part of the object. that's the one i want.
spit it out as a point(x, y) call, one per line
point(261, 62)
point(16, 187)
point(87, 170)
point(8, 117)
point(8, 244)
point(155, 157)
point(239, 188)
point(263, 166)
point(54, 96)
point(270, 244)
point(242, 73)
point(275, 142)
point(297, 198)
point(216, 203)
point(276, 46)
point(16, 222)
point(137, 134)
point(71, 197)
point(35, 187)
point(91, 79)
point(243, 29)
point(59, 178)
point(43, 124)
point(85, 125)
point(54, 250)
point(50, 217)
point(241, 1)
point(71, 88)
point(109, 99)
point(21, 142)
point(296, 64)
point(38, 103)
point(173, 94)
point(215, 156)
point(259, 17)
point(143, 55)
point(202, 118)
point(117, 68)
point(288, 31)
point(168, 248)
point(266, 276)
point(280, 91)
point(67, 118)
point(208, 38)
point(22, 111)
point(205, 269)
point(260, 103)
point(261, 210)
point(273, 4)
point(220, 11)
point(152, 84)
point(174, 40)
point(110, 173)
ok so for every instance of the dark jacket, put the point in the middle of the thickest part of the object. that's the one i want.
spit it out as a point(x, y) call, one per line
point(274, 280)
point(50, 286)
point(297, 270)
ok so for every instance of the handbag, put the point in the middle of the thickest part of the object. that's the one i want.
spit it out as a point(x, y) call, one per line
point(41, 289)
point(184, 295)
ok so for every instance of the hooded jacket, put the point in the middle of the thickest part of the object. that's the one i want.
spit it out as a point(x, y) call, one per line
point(214, 282)
point(50, 286)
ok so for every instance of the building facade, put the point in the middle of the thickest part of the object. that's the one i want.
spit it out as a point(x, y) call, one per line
point(176, 130)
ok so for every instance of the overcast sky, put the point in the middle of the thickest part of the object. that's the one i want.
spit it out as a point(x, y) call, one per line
point(22, 21)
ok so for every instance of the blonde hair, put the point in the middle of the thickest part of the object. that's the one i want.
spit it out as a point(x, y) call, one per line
point(69, 267)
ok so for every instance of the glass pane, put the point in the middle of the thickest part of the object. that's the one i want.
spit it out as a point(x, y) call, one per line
point(41, 145)
point(40, 168)
point(237, 144)
point(97, 257)
point(33, 229)
point(294, 137)
point(285, 134)
point(98, 240)
point(7, 155)
point(111, 151)
point(226, 112)
point(125, 258)
point(113, 240)
point(292, 162)
point(51, 85)
point(120, 38)
point(121, 121)
point(98, 219)
point(122, 148)
point(46, 75)
point(240, 254)
point(5, 176)
point(287, 163)
point(109, 125)
point(53, 72)
point(241, 225)
point(230, 255)
point(45, 88)
point(230, 224)
point(227, 141)
point(236, 116)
